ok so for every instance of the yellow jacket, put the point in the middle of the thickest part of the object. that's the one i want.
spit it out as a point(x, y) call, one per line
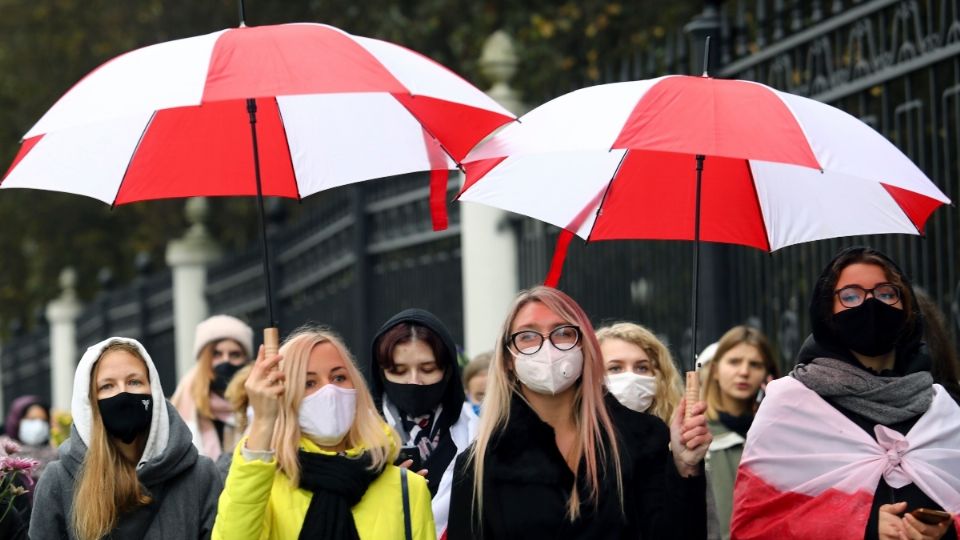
point(259, 503)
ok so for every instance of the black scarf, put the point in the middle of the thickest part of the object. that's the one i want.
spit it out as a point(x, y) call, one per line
point(338, 483)
point(738, 424)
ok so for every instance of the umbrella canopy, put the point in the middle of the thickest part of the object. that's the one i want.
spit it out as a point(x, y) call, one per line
point(285, 111)
point(617, 161)
point(690, 158)
point(171, 120)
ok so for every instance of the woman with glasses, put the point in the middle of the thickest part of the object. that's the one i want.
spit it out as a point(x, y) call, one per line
point(416, 386)
point(223, 346)
point(860, 441)
point(742, 362)
point(557, 456)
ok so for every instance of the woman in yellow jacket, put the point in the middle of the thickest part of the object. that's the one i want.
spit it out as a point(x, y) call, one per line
point(318, 459)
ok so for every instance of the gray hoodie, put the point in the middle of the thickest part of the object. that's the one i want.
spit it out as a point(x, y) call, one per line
point(185, 486)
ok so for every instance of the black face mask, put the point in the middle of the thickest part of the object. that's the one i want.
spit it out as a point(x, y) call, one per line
point(222, 375)
point(126, 415)
point(415, 399)
point(871, 329)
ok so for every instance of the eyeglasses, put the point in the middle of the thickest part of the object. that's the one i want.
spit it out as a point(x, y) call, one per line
point(852, 296)
point(563, 338)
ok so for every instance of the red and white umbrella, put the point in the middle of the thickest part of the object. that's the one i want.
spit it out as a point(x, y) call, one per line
point(619, 161)
point(170, 120)
point(177, 119)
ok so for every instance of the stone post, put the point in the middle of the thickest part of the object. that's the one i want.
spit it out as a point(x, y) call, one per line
point(188, 257)
point(62, 314)
point(487, 241)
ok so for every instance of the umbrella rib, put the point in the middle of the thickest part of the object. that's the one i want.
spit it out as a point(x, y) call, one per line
point(756, 197)
point(606, 190)
point(425, 128)
point(286, 141)
point(126, 171)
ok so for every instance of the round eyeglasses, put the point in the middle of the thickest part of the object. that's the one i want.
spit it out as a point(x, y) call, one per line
point(852, 296)
point(563, 338)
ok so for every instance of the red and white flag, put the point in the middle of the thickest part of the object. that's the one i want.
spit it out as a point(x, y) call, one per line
point(809, 472)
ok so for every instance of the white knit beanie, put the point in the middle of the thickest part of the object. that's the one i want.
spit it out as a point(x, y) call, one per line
point(223, 327)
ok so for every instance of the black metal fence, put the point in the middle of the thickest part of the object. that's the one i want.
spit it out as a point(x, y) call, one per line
point(893, 63)
point(358, 255)
point(25, 363)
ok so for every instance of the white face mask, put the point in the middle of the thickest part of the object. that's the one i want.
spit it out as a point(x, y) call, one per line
point(34, 431)
point(327, 414)
point(549, 370)
point(633, 390)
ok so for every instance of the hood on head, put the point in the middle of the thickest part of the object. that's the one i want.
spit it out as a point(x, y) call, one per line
point(453, 396)
point(82, 410)
point(827, 343)
point(17, 411)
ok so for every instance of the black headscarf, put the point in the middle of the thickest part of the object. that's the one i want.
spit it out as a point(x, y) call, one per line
point(453, 395)
point(826, 343)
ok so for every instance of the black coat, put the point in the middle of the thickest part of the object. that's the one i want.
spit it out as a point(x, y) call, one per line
point(528, 483)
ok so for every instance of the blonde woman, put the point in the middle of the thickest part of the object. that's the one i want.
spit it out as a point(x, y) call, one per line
point(129, 469)
point(741, 364)
point(556, 456)
point(318, 459)
point(640, 370)
point(223, 345)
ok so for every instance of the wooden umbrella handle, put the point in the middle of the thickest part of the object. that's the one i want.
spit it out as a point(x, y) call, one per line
point(693, 391)
point(271, 341)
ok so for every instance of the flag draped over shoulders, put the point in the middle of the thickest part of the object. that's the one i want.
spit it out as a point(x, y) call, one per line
point(808, 471)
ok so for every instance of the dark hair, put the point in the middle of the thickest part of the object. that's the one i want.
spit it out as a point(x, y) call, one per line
point(406, 332)
point(18, 409)
point(945, 365)
point(822, 308)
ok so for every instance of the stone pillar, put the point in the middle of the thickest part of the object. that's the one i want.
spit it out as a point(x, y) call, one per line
point(188, 257)
point(487, 242)
point(62, 315)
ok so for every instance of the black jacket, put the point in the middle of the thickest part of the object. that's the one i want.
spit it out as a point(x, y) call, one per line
point(453, 394)
point(528, 483)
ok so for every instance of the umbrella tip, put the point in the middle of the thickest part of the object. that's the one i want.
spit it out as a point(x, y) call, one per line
point(243, 14)
point(706, 57)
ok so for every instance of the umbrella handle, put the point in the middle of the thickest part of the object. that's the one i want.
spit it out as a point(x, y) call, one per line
point(271, 341)
point(693, 391)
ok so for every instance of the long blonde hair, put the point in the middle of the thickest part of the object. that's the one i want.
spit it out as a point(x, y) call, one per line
point(368, 429)
point(668, 394)
point(236, 395)
point(735, 336)
point(107, 484)
point(592, 420)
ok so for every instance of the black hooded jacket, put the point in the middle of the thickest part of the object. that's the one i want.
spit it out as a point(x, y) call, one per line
point(911, 357)
point(453, 395)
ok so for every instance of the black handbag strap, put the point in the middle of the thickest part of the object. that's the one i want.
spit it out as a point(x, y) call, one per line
point(407, 526)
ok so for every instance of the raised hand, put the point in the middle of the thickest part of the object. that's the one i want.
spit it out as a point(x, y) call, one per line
point(265, 387)
point(689, 438)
